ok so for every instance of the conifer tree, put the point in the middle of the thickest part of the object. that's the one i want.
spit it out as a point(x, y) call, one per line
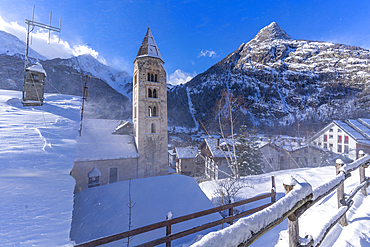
point(248, 154)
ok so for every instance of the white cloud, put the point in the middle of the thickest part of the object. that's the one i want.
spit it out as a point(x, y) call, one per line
point(53, 49)
point(180, 77)
point(207, 53)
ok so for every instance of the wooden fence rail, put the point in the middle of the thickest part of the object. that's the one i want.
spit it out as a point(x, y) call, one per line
point(297, 200)
point(168, 223)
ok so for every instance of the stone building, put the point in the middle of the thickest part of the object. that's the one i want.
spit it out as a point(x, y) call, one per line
point(120, 150)
point(150, 109)
point(33, 88)
point(188, 162)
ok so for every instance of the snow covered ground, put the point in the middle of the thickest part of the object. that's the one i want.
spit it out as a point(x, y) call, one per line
point(37, 150)
point(357, 233)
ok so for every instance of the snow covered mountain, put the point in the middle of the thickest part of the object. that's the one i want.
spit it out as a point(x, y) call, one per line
point(11, 45)
point(109, 91)
point(282, 81)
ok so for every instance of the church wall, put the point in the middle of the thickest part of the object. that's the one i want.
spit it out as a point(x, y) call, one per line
point(127, 169)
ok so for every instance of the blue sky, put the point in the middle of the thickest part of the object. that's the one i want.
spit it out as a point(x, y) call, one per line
point(192, 35)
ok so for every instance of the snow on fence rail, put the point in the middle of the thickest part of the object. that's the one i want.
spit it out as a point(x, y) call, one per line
point(168, 223)
point(299, 197)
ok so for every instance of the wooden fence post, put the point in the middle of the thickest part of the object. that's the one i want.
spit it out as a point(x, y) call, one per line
point(168, 228)
point(273, 189)
point(231, 213)
point(362, 172)
point(292, 223)
point(340, 193)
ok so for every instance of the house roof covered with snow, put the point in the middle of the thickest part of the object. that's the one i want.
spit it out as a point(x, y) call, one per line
point(97, 141)
point(218, 147)
point(102, 211)
point(358, 129)
point(149, 47)
point(37, 67)
point(186, 152)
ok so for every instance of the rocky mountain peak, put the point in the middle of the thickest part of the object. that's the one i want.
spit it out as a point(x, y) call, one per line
point(271, 32)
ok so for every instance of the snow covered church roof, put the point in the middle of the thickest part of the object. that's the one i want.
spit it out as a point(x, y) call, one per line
point(98, 143)
point(149, 47)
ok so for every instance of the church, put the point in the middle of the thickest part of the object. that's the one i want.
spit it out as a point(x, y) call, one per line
point(109, 151)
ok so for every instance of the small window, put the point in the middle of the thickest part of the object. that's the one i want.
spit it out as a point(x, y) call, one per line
point(148, 76)
point(151, 77)
point(339, 139)
point(325, 145)
point(346, 139)
point(155, 79)
point(330, 145)
point(135, 79)
point(319, 144)
point(149, 111)
point(330, 136)
point(154, 111)
point(346, 149)
point(339, 130)
point(113, 175)
point(150, 93)
point(153, 128)
point(35, 77)
point(331, 130)
point(325, 138)
point(154, 93)
point(339, 148)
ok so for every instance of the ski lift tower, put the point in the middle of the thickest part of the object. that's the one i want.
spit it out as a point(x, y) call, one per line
point(34, 75)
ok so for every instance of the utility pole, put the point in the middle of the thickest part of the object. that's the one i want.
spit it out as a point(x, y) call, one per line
point(31, 24)
point(84, 96)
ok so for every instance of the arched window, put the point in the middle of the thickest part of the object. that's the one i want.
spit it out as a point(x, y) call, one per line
point(149, 111)
point(153, 128)
point(155, 78)
point(154, 111)
point(150, 93)
point(154, 93)
point(151, 77)
point(148, 76)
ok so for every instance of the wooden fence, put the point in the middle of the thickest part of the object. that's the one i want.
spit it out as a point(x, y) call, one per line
point(299, 197)
point(168, 223)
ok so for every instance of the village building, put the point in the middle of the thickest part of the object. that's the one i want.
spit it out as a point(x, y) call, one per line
point(120, 150)
point(33, 88)
point(218, 155)
point(273, 157)
point(188, 162)
point(345, 137)
point(286, 152)
point(100, 148)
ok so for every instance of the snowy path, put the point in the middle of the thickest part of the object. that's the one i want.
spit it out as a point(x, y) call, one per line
point(36, 197)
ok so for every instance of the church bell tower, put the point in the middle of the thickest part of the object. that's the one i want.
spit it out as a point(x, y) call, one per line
point(149, 111)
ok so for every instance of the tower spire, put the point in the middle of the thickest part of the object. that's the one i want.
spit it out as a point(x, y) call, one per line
point(149, 47)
